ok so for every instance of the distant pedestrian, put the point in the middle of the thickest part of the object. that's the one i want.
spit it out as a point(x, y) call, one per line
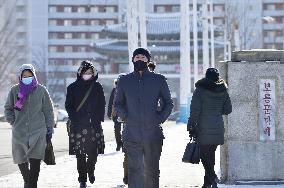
point(30, 112)
point(112, 115)
point(85, 104)
point(210, 101)
point(152, 66)
point(136, 103)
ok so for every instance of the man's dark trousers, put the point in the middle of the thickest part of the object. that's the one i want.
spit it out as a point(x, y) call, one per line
point(143, 163)
point(117, 131)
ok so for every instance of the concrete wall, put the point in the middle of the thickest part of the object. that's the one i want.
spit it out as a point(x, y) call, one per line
point(244, 156)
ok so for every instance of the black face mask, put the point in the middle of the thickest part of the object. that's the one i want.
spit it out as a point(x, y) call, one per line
point(140, 66)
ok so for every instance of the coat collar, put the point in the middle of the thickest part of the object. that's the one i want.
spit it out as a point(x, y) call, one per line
point(217, 87)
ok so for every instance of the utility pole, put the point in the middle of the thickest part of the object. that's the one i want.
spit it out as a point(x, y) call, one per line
point(205, 47)
point(142, 21)
point(185, 70)
point(132, 29)
point(225, 44)
point(212, 35)
point(195, 42)
point(237, 37)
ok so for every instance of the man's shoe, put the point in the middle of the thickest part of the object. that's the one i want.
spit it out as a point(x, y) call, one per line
point(83, 185)
point(91, 178)
point(125, 180)
point(118, 147)
point(206, 186)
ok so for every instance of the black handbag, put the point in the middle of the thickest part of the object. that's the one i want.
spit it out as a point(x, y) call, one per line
point(49, 157)
point(191, 153)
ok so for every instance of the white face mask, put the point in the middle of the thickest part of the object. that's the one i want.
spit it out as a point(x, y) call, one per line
point(87, 76)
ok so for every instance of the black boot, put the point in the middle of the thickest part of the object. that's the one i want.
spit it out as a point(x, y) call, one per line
point(34, 172)
point(91, 163)
point(83, 185)
point(24, 168)
point(92, 177)
point(82, 168)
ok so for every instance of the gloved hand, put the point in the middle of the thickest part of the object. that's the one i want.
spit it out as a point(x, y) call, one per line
point(191, 128)
point(49, 133)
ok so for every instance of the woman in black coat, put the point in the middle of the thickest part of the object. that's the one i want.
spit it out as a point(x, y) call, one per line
point(210, 101)
point(86, 134)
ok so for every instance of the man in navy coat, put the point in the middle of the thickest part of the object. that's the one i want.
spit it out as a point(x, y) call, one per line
point(136, 102)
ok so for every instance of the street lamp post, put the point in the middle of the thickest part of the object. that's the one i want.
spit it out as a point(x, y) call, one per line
point(195, 42)
point(205, 47)
point(132, 29)
point(185, 70)
point(212, 35)
point(142, 21)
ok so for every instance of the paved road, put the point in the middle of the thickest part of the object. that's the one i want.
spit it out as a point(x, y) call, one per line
point(60, 143)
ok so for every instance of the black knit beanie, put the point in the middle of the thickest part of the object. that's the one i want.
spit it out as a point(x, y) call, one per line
point(142, 51)
point(212, 74)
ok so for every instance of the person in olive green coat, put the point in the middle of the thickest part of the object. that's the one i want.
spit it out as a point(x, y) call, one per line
point(210, 101)
point(29, 110)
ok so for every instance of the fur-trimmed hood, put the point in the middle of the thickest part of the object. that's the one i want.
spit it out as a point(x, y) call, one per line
point(216, 87)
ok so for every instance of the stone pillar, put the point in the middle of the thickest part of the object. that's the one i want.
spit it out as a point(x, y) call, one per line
point(244, 156)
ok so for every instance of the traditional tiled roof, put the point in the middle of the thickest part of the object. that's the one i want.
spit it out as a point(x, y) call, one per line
point(156, 24)
point(118, 46)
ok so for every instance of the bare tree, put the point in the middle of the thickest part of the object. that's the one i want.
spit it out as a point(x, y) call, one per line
point(46, 72)
point(239, 16)
point(8, 43)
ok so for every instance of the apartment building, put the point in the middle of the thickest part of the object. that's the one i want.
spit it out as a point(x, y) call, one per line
point(55, 35)
point(273, 24)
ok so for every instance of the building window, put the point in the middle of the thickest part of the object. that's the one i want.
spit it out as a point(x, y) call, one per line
point(110, 22)
point(68, 62)
point(81, 9)
point(82, 22)
point(81, 35)
point(81, 49)
point(176, 8)
point(110, 9)
point(94, 9)
point(52, 35)
point(76, 63)
point(68, 49)
point(218, 8)
point(269, 7)
point(270, 33)
point(279, 19)
point(68, 9)
point(52, 22)
point(67, 22)
point(68, 35)
point(20, 22)
point(218, 21)
point(95, 36)
point(52, 49)
point(21, 35)
point(161, 9)
point(95, 22)
point(52, 9)
point(20, 9)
